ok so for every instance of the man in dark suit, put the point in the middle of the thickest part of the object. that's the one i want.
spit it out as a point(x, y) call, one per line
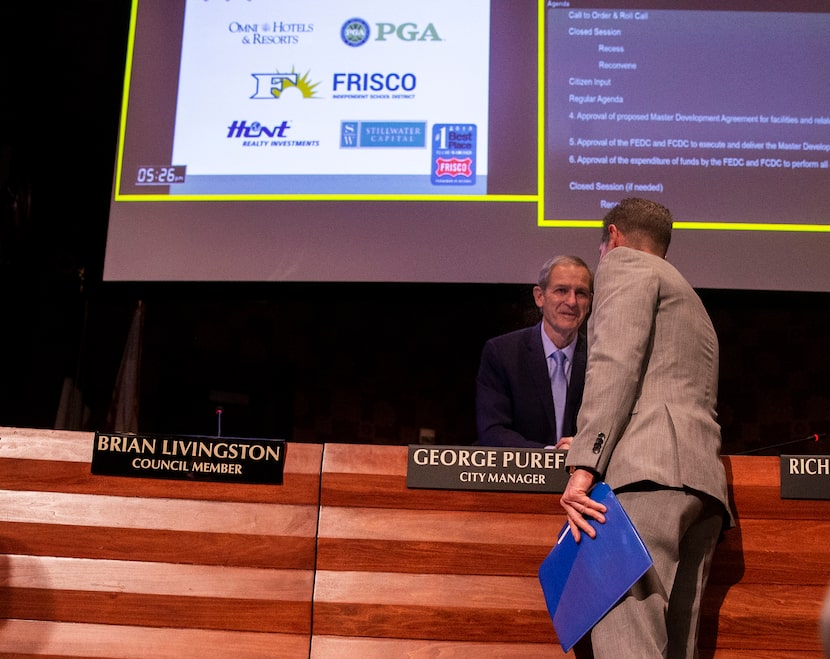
point(514, 390)
point(648, 427)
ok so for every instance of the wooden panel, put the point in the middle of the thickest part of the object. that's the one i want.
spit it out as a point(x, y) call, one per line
point(152, 578)
point(163, 545)
point(59, 461)
point(430, 557)
point(434, 606)
point(29, 638)
point(337, 647)
point(127, 566)
point(440, 525)
point(46, 445)
point(141, 512)
point(396, 565)
point(134, 567)
point(375, 477)
point(443, 541)
point(71, 446)
point(755, 488)
point(159, 611)
point(406, 570)
point(764, 551)
point(762, 617)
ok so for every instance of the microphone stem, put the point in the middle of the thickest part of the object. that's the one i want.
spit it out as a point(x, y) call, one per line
point(815, 437)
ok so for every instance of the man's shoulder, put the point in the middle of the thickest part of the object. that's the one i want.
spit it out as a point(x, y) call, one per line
point(627, 258)
point(516, 337)
point(623, 254)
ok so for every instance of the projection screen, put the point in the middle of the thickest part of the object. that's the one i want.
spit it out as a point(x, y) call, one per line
point(467, 141)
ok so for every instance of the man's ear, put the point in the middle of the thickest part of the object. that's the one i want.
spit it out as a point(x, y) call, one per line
point(615, 238)
point(539, 296)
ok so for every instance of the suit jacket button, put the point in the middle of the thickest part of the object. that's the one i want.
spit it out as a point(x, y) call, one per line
point(598, 443)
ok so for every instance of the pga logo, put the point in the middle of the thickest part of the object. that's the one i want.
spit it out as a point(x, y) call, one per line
point(356, 32)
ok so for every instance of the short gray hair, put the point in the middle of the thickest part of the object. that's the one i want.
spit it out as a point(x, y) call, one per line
point(565, 259)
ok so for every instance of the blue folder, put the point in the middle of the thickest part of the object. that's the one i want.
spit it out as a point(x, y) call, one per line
point(581, 582)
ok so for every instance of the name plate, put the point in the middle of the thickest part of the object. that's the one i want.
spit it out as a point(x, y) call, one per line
point(218, 459)
point(486, 468)
point(805, 476)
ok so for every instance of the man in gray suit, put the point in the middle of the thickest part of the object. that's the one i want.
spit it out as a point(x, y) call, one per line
point(648, 427)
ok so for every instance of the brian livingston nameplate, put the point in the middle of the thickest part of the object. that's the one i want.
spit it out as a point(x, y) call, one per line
point(486, 468)
point(220, 459)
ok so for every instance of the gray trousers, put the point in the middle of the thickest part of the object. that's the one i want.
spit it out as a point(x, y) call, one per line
point(660, 615)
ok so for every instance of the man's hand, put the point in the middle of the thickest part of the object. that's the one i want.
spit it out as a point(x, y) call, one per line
point(564, 444)
point(578, 505)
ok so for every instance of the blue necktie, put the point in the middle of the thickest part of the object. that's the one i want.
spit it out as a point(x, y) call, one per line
point(560, 390)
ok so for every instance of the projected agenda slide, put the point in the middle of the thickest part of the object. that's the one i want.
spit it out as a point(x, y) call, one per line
point(724, 115)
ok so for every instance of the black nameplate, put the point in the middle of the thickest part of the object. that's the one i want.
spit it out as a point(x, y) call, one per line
point(805, 477)
point(486, 468)
point(218, 459)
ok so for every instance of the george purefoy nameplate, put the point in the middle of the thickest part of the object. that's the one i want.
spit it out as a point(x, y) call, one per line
point(176, 457)
point(486, 468)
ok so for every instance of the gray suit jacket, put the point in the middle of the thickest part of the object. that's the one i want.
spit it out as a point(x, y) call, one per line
point(648, 409)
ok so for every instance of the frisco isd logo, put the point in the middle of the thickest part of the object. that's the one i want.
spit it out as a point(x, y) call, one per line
point(355, 32)
point(273, 85)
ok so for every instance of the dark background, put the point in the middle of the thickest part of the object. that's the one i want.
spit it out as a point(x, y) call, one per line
point(310, 362)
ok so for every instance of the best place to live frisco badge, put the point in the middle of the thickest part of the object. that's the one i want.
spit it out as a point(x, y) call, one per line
point(222, 459)
point(453, 154)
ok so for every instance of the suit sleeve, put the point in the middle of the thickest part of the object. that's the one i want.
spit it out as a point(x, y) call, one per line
point(620, 334)
point(494, 405)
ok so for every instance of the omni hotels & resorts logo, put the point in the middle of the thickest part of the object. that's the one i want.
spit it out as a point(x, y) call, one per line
point(226, 459)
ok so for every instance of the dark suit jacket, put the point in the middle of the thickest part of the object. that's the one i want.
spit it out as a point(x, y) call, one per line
point(514, 404)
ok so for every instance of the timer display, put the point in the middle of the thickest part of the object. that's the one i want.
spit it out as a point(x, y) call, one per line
point(160, 175)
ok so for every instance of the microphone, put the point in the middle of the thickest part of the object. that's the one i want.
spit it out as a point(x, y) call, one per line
point(219, 421)
point(815, 437)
